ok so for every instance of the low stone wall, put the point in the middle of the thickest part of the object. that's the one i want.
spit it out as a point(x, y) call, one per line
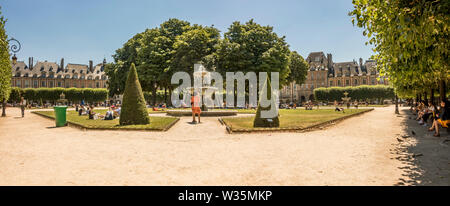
point(217, 113)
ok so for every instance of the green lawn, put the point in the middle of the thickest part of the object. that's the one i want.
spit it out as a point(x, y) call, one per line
point(294, 119)
point(156, 123)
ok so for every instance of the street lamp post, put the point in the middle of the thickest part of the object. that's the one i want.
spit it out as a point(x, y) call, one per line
point(15, 47)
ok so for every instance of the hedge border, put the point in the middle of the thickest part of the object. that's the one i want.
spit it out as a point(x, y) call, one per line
point(80, 126)
point(230, 130)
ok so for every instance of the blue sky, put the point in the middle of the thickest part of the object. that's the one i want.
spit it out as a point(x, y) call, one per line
point(85, 30)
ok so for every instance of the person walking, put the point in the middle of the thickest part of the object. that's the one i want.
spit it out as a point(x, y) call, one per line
point(23, 104)
point(195, 104)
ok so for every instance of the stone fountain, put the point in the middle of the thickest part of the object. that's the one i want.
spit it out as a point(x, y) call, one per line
point(200, 73)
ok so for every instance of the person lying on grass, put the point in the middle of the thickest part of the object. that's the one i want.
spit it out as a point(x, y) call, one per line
point(443, 118)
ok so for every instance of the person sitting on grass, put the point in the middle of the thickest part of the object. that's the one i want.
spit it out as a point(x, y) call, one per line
point(109, 114)
point(442, 119)
point(91, 112)
point(82, 110)
point(195, 104)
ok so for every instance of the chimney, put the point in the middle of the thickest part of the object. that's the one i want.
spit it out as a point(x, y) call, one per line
point(330, 60)
point(91, 66)
point(360, 61)
point(62, 63)
point(30, 66)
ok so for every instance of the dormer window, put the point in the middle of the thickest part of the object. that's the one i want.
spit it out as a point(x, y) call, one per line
point(17, 68)
point(18, 74)
point(42, 68)
point(51, 69)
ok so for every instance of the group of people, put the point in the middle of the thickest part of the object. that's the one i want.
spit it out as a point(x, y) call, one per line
point(112, 113)
point(438, 115)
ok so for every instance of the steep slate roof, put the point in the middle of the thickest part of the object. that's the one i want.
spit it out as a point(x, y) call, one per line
point(46, 69)
point(317, 61)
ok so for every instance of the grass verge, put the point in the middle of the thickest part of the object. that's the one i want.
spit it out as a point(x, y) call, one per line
point(156, 123)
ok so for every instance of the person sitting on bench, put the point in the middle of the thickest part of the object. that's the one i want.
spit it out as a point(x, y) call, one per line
point(443, 118)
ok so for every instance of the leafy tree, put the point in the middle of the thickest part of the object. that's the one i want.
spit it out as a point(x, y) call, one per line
point(134, 110)
point(193, 47)
point(298, 68)
point(5, 65)
point(252, 47)
point(411, 39)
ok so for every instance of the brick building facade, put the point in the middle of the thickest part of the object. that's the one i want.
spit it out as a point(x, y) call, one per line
point(323, 72)
point(51, 74)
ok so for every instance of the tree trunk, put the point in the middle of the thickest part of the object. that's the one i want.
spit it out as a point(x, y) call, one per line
point(165, 95)
point(170, 96)
point(4, 108)
point(425, 98)
point(154, 89)
point(396, 104)
point(432, 96)
point(442, 90)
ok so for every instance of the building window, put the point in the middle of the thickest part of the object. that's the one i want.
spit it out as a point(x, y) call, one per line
point(97, 84)
point(331, 83)
point(59, 84)
point(75, 84)
point(43, 84)
point(355, 82)
point(18, 83)
point(67, 85)
point(27, 83)
point(347, 82)
point(373, 81)
point(35, 84)
point(50, 84)
point(339, 82)
point(364, 81)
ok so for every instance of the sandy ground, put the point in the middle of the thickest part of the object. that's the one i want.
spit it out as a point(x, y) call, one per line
point(363, 150)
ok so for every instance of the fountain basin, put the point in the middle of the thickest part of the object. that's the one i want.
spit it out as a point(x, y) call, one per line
point(210, 113)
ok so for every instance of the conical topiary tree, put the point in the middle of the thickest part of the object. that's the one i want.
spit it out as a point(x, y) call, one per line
point(134, 111)
point(266, 122)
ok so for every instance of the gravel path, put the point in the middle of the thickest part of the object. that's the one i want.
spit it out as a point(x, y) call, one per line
point(358, 151)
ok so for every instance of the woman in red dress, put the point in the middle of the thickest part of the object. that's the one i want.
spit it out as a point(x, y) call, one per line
point(195, 104)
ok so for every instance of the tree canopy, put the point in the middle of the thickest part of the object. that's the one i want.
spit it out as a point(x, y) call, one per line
point(410, 38)
point(177, 45)
point(5, 64)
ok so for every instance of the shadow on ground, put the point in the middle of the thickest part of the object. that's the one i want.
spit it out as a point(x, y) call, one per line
point(425, 158)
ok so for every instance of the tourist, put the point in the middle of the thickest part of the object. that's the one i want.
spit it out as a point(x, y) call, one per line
point(91, 112)
point(356, 104)
point(109, 114)
point(195, 104)
point(23, 104)
point(443, 118)
point(76, 107)
point(118, 109)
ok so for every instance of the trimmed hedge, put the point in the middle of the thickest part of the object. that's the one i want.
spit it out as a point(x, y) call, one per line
point(363, 92)
point(134, 110)
point(52, 94)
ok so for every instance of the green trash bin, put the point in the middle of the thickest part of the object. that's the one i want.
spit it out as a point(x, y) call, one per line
point(60, 115)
